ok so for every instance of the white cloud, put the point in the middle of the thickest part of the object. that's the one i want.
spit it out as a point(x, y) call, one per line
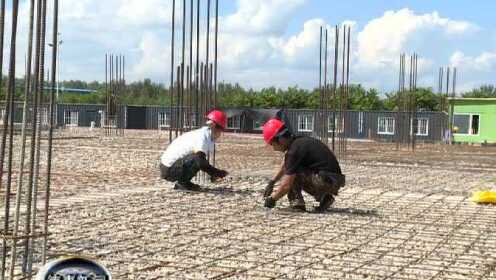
point(485, 62)
point(262, 17)
point(256, 46)
point(382, 39)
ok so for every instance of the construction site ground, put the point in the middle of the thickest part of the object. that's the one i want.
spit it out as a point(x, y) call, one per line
point(402, 215)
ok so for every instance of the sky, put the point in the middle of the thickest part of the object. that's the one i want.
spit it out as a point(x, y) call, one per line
point(266, 43)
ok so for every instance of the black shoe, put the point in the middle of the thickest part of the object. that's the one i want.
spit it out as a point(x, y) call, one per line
point(188, 186)
point(298, 208)
point(325, 202)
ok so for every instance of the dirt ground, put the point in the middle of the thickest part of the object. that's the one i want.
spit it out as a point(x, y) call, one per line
point(402, 215)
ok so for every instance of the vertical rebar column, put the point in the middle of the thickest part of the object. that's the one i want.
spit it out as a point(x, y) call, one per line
point(397, 125)
point(324, 126)
point(27, 100)
point(34, 121)
point(38, 137)
point(171, 86)
point(341, 97)
point(50, 128)
point(190, 77)
point(197, 68)
point(414, 102)
point(215, 62)
point(215, 53)
point(346, 126)
point(453, 94)
point(4, 135)
point(335, 87)
point(9, 115)
point(450, 116)
point(106, 111)
point(321, 94)
point(183, 56)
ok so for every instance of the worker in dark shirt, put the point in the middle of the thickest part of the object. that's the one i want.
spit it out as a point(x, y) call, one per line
point(309, 165)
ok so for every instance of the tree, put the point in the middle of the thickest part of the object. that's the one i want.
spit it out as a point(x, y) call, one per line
point(485, 91)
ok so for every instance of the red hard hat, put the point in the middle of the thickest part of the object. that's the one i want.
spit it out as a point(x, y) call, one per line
point(271, 128)
point(218, 117)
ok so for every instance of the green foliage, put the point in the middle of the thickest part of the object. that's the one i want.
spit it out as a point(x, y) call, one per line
point(426, 100)
point(485, 91)
point(147, 92)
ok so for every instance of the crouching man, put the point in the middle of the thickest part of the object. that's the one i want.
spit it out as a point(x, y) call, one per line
point(309, 165)
point(187, 154)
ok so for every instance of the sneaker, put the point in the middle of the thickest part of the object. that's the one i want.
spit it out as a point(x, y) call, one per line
point(188, 186)
point(325, 202)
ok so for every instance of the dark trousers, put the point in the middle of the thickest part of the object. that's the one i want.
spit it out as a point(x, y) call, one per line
point(316, 184)
point(183, 170)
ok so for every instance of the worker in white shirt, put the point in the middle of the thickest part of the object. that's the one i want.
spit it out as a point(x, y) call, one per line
point(187, 154)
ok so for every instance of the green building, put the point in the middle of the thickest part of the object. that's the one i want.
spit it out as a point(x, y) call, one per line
point(474, 120)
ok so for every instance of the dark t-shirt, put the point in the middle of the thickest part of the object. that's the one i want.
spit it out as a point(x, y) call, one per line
point(306, 154)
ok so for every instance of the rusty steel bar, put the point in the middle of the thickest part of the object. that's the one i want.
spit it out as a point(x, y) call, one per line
point(210, 86)
point(10, 116)
point(183, 57)
point(398, 104)
point(320, 73)
point(208, 36)
point(334, 104)
point(347, 90)
point(171, 86)
point(190, 68)
point(197, 75)
point(178, 93)
point(453, 95)
point(4, 132)
point(50, 128)
point(216, 54)
point(27, 100)
point(325, 125)
point(38, 137)
point(341, 97)
point(34, 127)
point(450, 116)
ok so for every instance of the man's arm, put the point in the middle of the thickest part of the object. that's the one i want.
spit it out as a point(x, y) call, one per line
point(209, 169)
point(284, 187)
point(279, 173)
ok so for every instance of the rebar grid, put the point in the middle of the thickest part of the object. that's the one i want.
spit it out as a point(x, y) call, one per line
point(139, 227)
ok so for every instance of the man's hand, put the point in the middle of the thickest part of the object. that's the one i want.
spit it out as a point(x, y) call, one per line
point(270, 202)
point(269, 188)
point(221, 173)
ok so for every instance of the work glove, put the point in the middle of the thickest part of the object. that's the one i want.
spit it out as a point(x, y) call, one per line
point(269, 188)
point(221, 173)
point(270, 202)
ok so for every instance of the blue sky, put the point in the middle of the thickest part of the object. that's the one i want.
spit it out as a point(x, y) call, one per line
point(275, 42)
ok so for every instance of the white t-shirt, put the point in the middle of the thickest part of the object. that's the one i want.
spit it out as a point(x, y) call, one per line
point(198, 140)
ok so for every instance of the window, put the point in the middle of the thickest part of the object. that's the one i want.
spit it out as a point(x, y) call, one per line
point(385, 126)
point(257, 125)
point(466, 124)
point(43, 117)
point(360, 122)
point(234, 122)
point(191, 122)
point(305, 123)
point(421, 126)
point(163, 120)
point(331, 127)
point(71, 118)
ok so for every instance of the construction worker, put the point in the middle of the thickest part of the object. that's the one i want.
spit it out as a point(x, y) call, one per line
point(309, 165)
point(187, 154)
